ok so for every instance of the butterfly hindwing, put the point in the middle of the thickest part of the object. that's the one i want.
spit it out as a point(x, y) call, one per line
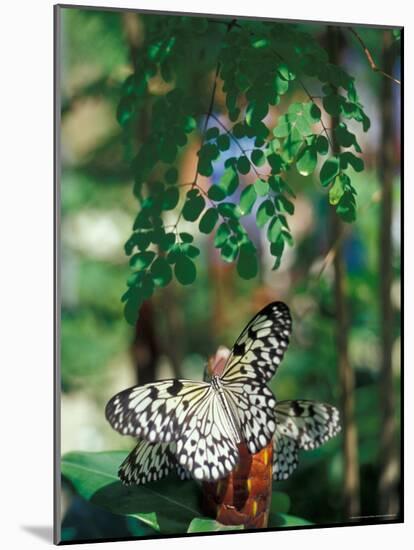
point(259, 349)
point(208, 446)
point(254, 404)
point(300, 424)
point(147, 462)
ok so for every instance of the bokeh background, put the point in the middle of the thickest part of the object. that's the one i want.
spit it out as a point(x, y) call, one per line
point(181, 326)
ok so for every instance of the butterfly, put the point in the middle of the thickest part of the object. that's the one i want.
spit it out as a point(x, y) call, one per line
point(300, 424)
point(304, 425)
point(206, 421)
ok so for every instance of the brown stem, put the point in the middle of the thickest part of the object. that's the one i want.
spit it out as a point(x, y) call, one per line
point(371, 61)
point(389, 467)
point(345, 371)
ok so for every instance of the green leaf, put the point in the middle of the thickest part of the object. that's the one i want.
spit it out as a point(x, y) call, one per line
point(161, 272)
point(229, 181)
point(280, 503)
point(190, 250)
point(171, 175)
point(247, 199)
point(258, 157)
point(223, 233)
point(223, 142)
point(247, 266)
point(346, 208)
point(274, 230)
point(285, 204)
point(276, 162)
point(202, 525)
point(193, 208)
point(212, 133)
point(280, 85)
point(168, 506)
point(185, 270)
point(284, 126)
point(285, 520)
point(132, 306)
point(142, 260)
point(336, 191)
point(332, 104)
point(208, 220)
point(256, 111)
point(243, 165)
point(229, 251)
point(322, 145)
point(306, 162)
point(311, 112)
point(329, 170)
point(293, 144)
point(261, 187)
point(264, 212)
point(170, 198)
point(216, 193)
point(349, 158)
point(285, 72)
point(229, 210)
point(186, 237)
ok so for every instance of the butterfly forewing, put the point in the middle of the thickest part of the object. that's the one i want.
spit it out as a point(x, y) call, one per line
point(300, 424)
point(259, 349)
point(155, 411)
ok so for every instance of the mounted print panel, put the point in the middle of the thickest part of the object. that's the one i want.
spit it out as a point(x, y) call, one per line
point(228, 245)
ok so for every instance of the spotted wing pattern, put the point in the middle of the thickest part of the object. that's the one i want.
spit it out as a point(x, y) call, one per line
point(254, 404)
point(150, 462)
point(259, 349)
point(155, 411)
point(304, 425)
point(204, 422)
point(147, 462)
point(207, 446)
point(189, 413)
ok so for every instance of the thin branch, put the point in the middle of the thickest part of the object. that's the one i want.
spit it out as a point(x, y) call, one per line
point(236, 141)
point(370, 59)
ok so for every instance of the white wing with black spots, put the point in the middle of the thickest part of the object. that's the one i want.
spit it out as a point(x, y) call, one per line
point(207, 447)
point(147, 462)
point(261, 346)
point(155, 411)
point(300, 424)
point(254, 404)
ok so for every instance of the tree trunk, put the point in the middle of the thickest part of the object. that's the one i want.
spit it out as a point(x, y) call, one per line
point(389, 467)
point(345, 371)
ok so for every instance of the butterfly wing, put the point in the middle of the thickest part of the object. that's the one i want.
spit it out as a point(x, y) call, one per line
point(300, 424)
point(207, 448)
point(259, 349)
point(189, 413)
point(155, 412)
point(253, 361)
point(254, 404)
point(147, 462)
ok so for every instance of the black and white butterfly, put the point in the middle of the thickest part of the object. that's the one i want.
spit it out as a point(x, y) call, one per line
point(304, 425)
point(299, 425)
point(206, 421)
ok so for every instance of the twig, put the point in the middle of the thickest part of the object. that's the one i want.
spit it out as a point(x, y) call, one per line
point(371, 61)
point(236, 141)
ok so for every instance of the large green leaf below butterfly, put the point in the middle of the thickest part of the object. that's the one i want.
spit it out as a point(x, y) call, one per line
point(168, 506)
